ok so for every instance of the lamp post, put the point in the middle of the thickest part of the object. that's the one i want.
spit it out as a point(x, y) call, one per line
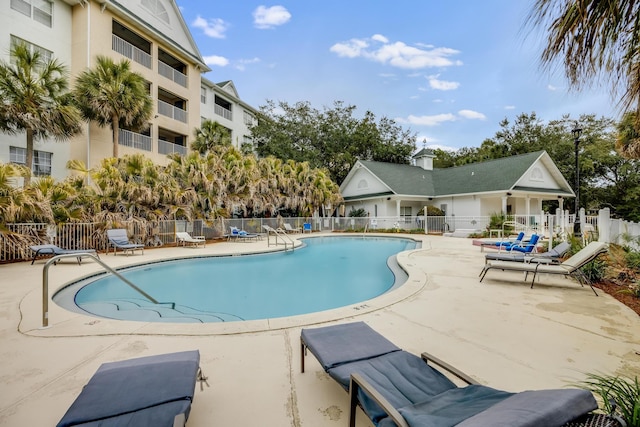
point(576, 223)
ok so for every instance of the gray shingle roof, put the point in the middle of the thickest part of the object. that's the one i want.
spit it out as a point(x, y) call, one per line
point(494, 175)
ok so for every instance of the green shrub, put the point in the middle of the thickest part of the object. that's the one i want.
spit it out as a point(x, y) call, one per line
point(613, 390)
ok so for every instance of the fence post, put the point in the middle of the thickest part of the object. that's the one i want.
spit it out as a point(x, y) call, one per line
point(604, 225)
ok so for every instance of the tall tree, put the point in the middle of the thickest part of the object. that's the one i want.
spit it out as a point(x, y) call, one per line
point(209, 135)
point(113, 95)
point(332, 139)
point(594, 39)
point(34, 100)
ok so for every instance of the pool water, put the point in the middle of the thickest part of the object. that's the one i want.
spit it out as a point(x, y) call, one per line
point(328, 272)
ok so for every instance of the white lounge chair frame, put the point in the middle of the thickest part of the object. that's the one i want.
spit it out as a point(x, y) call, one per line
point(182, 237)
point(570, 267)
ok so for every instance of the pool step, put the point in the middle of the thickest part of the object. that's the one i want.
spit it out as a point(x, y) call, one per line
point(145, 311)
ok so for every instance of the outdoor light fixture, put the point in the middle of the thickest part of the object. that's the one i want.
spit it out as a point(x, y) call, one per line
point(576, 223)
point(508, 194)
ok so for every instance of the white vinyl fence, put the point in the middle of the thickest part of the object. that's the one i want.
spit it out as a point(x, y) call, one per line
point(14, 243)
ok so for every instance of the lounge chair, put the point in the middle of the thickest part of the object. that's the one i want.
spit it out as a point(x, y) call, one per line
point(524, 247)
point(397, 388)
point(53, 250)
point(569, 267)
point(552, 256)
point(306, 227)
point(290, 229)
point(503, 243)
point(118, 239)
point(238, 234)
point(147, 391)
point(184, 238)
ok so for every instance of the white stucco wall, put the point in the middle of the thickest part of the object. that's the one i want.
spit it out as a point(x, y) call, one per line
point(56, 39)
point(538, 176)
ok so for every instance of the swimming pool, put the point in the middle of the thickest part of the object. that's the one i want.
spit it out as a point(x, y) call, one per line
point(328, 272)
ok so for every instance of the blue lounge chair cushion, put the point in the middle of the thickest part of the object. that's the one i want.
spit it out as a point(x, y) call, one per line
point(147, 391)
point(549, 408)
point(516, 241)
point(401, 377)
point(349, 342)
point(529, 247)
point(453, 406)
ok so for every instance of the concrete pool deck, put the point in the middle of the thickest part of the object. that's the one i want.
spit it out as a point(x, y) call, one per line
point(501, 332)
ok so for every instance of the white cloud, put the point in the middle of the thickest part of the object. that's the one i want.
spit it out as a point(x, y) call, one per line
point(434, 120)
point(509, 107)
point(379, 38)
point(219, 61)
point(213, 28)
point(242, 64)
point(442, 84)
point(437, 119)
point(269, 17)
point(552, 88)
point(442, 147)
point(473, 115)
point(397, 54)
point(351, 49)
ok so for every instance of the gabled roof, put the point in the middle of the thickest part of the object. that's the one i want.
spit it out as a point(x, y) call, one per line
point(493, 175)
point(486, 177)
point(173, 30)
point(402, 179)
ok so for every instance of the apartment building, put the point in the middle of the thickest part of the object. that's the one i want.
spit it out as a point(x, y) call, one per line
point(153, 36)
point(220, 102)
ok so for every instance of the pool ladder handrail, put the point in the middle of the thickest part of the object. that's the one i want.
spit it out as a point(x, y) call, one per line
point(55, 259)
point(280, 233)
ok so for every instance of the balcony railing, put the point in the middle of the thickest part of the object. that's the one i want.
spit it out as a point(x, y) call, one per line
point(134, 140)
point(166, 147)
point(169, 110)
point(221, 111)
point(172, 74)
point(130, 51)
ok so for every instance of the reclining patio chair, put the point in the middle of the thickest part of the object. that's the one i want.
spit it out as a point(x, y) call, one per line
point(290, 229)
point(147, 391)
point(238, 234)
point(397, 388)
point(569, 267)
point(118, 239)
point(184, 238)
point(503, 243)
point(53, 250)
point(552, 256)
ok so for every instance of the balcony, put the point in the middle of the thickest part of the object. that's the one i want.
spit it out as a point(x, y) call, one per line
point(125, 48)
point(166, 147)
point(134, 140)
point(223, 112)
point(169, 110)
point(172, 74)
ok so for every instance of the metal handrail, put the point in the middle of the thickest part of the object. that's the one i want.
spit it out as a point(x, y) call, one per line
point(282, 234)
point(45, 281)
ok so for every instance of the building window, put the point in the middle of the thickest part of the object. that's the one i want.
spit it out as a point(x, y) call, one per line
point(249, 120)
point(405, 212)
point(41, 160)
point(203, 95)
point(40, 10)
point(45, 54)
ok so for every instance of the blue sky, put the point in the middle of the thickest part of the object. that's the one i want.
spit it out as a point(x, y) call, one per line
point(449, 71)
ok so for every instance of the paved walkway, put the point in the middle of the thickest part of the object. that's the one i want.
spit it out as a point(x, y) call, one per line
point(501, 332)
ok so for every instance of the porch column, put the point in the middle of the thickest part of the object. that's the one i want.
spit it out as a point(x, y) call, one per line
point(527, 212)
point(398, 210)
point(504, 205)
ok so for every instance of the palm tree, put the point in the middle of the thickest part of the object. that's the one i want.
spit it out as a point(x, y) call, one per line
point(628, 137)
point(209, 135)
point(35, 100)
point(112, 94)
point(595, 39)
